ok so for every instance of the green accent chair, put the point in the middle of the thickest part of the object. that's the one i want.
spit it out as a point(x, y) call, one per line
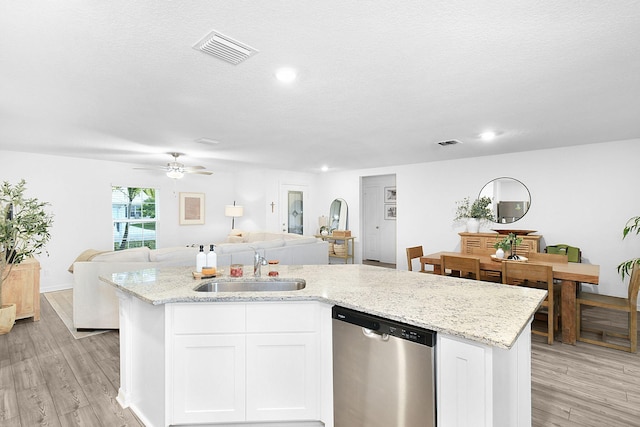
point(574, 254)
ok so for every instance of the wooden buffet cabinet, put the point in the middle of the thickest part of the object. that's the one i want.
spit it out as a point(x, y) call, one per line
point(483, 241)
point(22, 288)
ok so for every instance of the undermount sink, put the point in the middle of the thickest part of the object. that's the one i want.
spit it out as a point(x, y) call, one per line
point(252, 285)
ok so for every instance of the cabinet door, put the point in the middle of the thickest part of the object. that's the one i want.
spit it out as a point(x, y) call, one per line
point(208, 378)
point(282, 377)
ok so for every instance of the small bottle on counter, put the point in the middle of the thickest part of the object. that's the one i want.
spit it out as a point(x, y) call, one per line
point(212, 257)
point(201, 259)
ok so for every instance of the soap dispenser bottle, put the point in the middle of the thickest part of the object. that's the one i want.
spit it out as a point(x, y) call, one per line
point(201, 259)
point(212, 257)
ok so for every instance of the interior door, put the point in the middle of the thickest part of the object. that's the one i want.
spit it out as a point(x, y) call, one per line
point(379, 234)
point(293, 200)
point(373, 217)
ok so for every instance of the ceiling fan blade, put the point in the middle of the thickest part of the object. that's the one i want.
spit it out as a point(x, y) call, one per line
point(190, 168)
point(199, 172)
point(157, 168)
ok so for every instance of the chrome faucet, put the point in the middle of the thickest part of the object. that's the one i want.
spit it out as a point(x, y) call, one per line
point(258, 261)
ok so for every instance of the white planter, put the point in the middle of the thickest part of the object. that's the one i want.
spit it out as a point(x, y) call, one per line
point(500, 253)
point(473, 225)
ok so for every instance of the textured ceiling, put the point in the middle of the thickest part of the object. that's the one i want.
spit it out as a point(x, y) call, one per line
point(379, 81)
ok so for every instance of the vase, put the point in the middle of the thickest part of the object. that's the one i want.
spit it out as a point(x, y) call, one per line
point(500, 253)
point(473, 225)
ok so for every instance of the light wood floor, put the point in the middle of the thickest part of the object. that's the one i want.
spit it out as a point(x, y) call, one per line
point(48, 378)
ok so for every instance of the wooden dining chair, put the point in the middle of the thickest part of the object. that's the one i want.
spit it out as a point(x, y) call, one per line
point(487, 276)
point(627, 305)
point(465, 266)
point(545, 257)
point(538, 276)
point(413, 253)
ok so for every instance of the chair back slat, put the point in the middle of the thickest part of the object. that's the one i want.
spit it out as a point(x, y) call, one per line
point(526, 273)
point(413, 253)
point(468, 266)
point(544, 257)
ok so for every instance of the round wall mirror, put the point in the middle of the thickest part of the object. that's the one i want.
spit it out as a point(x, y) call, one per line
point(510, 198)
point(338, 215)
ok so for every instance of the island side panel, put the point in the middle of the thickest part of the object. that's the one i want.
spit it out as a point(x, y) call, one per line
point(481, 385)
point(142, 359)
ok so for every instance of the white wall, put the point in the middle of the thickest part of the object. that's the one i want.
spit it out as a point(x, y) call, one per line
point(79, 191)
point(581, 196)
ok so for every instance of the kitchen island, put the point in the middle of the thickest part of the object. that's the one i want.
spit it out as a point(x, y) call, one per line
point(189, 357)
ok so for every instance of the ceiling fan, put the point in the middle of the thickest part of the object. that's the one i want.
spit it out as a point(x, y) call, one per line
point(176, 170)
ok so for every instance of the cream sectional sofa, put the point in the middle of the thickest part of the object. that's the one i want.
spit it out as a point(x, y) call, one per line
point(95, 305)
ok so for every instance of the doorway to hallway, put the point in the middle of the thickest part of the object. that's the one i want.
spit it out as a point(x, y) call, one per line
point(378, 196)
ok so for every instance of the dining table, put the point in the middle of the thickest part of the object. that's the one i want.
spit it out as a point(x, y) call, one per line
point(569, 274)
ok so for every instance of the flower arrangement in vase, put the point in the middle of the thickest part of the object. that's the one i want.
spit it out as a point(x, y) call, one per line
point(510, 243)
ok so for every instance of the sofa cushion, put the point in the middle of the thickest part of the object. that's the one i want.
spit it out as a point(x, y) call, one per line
point(234, 239)
point(229, 248)
point(276, 243)
point(257, 236)
point(178, 255)
point(303, 240)
point(129, 255)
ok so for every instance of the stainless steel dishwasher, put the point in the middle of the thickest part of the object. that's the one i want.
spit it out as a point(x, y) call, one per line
point(383, 372)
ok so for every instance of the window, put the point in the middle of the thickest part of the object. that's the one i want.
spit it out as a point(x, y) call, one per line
point(134, 217)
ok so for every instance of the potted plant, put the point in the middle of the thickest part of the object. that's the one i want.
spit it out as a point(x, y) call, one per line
point(632, 226)
point(24, 231)
point(474, 212)
point(509, 243)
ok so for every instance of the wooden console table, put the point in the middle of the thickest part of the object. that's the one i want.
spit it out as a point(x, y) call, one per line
point(22, 288)
point(348, 241)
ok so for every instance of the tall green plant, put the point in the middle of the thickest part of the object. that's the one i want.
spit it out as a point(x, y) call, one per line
point(24, 227)
point(632, 226)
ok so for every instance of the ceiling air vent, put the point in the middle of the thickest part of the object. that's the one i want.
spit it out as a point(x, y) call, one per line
point(449, 142)
point(225, 48)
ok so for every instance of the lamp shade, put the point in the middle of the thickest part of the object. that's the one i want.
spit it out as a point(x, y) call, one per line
point(233, 210)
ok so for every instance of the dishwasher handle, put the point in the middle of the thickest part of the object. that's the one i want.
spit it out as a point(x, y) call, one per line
point(350, 317)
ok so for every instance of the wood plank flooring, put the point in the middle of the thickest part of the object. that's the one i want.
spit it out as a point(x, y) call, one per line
point(48, 378)
point(585, 385)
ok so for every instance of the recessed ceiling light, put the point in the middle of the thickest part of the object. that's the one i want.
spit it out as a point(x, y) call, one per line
point(488, 135)
point(324, 168)
point(286, 74)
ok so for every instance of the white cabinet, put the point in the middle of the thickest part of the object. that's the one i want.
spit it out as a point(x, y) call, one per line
point(282, 377)
point(245, 362)
point(208, 378)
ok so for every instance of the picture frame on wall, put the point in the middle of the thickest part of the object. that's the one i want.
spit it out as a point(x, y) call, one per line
point(191, 208)
point(390, 211)
point(390, 194)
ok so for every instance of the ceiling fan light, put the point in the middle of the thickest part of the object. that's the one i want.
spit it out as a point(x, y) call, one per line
point(175, 174)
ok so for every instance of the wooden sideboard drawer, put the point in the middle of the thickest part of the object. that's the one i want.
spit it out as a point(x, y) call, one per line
point(471, 241)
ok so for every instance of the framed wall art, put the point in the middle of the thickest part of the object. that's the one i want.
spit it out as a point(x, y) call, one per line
point(389, 194)
point(390, 211)
point(191, 208)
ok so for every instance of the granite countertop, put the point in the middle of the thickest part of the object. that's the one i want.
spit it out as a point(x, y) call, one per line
point(489, 313)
